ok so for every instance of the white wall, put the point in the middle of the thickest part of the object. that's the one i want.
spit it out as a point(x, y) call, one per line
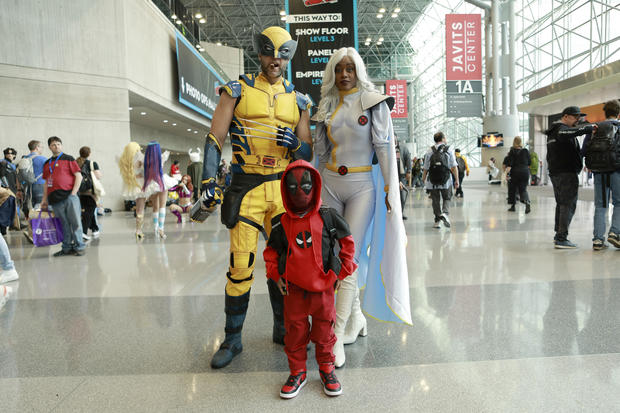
point(230, 59)
point(66, 68)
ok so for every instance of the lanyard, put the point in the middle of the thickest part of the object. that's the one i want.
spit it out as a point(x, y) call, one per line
point(55, 163)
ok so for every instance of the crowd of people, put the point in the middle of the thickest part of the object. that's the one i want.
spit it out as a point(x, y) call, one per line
point(328, 229)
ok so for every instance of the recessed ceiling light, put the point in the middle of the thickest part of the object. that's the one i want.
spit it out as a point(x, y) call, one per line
point(173, 17)
point(397, 10)
point(178, 21)
point(379, 43)
point(165, 120)
point(283, 18)
point(130, 108)
point(189, 129)
point(198, 15)
point(394, 15)
point(282, 13)
point(142, 113)
point(203, 20)
point(366, 43)
point(381, 39)
point(198, 46)
point(219, 43)
point(379, 16)
point(195, 131)
point(174, 124)
point(381, 10)
point(368, 39)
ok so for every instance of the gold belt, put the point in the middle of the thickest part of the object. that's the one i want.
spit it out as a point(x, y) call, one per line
point(343, 170)
point(267, 161)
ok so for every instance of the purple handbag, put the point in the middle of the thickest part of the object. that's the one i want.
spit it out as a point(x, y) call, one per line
point(46, 231)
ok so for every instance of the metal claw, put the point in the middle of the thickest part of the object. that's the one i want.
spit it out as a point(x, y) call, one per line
point(256, 136)
point(260, 130)
point(258, 123)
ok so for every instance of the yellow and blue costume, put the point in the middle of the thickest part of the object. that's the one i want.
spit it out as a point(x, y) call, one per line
point(263, 144)
point(253, 197)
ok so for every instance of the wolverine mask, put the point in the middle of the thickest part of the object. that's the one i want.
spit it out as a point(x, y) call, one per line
point(276, 42)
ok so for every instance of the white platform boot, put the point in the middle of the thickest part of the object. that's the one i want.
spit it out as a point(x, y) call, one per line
point(357, 322)
point(344, 302)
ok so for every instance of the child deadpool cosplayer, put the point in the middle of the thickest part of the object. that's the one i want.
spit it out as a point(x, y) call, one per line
point(300, 258)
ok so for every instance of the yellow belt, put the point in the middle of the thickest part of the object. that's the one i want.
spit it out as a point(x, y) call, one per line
point(267, 161)
point(343, 170)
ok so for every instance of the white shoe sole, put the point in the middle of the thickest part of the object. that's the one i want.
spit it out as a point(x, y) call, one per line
point(12, 276)
point(332, 393)
point(291, 395)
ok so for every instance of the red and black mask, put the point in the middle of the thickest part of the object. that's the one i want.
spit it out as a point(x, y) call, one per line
point(300, 189)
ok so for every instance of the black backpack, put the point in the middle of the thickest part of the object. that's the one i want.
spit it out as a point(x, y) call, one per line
point(87, 181)
point(602, 151)
point(438, 170)
point(461, 165)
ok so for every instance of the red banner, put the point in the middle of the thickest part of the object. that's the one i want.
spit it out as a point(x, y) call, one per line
point(398, 90)
point(463, 47)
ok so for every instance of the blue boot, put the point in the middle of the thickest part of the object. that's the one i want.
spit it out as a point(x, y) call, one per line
point(235, 309)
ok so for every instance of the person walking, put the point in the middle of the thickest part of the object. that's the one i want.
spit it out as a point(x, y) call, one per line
point(518, 170)
point(463, 168)
point(441, 169)
point(88, 199)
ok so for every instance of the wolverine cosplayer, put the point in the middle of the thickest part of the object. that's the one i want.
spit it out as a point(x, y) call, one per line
point(269, 126)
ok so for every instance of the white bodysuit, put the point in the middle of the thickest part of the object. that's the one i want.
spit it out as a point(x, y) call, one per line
point(347, 142)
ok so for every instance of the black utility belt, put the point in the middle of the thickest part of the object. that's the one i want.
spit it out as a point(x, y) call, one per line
point(254, 179)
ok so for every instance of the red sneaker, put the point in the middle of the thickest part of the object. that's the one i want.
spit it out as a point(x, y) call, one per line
point(331, 385)
point(293, 385)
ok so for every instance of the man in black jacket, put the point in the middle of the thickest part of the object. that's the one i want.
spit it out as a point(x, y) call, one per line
point(564, 161)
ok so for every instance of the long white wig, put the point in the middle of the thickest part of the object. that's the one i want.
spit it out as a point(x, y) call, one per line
point(329, 90)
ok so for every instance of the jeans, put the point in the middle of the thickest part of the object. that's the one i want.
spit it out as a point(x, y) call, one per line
point(5, 257)
point(565, 189)
point(69, 212)
point(600, 210)
point(446, 195)
point(37, 194)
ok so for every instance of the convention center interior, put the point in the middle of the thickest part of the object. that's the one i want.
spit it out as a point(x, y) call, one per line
point(191, 219)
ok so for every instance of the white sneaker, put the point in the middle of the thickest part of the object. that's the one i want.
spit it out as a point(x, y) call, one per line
point(436, 224)
point(96, 234)
point(446, 220)
point(8, 276)
point(85, 236)
point(5, 293)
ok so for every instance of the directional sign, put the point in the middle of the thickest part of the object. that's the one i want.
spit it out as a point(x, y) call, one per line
point(463, 65)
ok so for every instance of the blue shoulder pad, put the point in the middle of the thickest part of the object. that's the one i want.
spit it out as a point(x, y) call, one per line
point(248, 79)
point(233, 88)
point(304, 101)
point(288, 86)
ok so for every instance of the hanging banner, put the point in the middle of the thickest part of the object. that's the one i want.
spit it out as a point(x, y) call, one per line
point(463, 65)
point(198, 81)
point(398, 90)
point(320, 28)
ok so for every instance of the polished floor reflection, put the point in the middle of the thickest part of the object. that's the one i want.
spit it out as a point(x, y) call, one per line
point(502, 322)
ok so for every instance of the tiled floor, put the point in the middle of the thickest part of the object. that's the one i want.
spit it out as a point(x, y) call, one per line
point(502, 322)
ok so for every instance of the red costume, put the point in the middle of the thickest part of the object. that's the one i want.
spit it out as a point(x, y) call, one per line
point(300, 250)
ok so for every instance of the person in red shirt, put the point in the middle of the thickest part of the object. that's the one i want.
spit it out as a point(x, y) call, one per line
point(300, 259)
point(62, 181)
